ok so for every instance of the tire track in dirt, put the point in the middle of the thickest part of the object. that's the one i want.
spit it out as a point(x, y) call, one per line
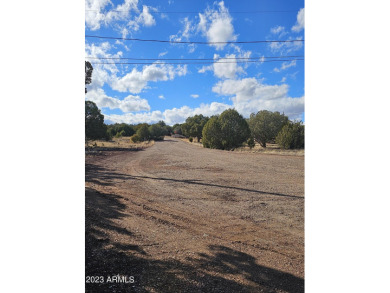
point(183, 199)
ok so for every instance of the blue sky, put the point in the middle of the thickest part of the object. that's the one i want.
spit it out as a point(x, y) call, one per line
point(172, 92)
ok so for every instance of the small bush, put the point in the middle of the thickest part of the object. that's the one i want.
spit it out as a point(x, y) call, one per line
point(251, 142)
point(135, 138)
point(190, 139)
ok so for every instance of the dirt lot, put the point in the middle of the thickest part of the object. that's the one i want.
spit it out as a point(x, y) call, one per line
point(180, 218)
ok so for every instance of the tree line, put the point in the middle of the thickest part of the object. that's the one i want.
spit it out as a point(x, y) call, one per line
point(226, 131)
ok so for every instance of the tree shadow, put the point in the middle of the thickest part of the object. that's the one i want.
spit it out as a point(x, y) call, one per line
point(220, 269)
point(198, 182)
point(103, 176)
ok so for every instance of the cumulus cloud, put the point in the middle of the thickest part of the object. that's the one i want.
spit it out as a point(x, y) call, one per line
point(95, 14)
point(144, 19)
point(179, 115)
point(300, 25)
point(135, 118)
point(136, 81)
point(249, 95)
point(100, 73)
point(128, 104)
point(225, 67)
point(195, 96)
point(170, 116)
point(99, 12)
point(216, 25)
point(161, 97)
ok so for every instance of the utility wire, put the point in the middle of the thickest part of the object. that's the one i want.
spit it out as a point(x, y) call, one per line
point(192, 59)
point(184, 63)
point(196, 12)
point(193, 42)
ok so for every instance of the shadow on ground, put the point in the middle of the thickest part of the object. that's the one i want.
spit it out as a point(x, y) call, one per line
point(214, 271)
point(99, 175)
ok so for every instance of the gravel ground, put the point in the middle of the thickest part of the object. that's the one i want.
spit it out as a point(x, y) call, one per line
point(179, 218)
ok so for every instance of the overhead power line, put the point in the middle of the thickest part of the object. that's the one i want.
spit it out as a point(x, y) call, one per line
point(196, 12)
point(193, 59)
point(185, 63)
point(195, 42)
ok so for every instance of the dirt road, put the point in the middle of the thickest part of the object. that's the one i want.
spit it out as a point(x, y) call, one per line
point(180, 218)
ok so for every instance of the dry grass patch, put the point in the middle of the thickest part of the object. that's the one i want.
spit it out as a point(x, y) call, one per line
point(119, 142)
point(272, 148)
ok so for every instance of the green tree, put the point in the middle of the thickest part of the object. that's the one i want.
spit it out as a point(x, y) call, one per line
point(212, 134)
point(88, 73)
point(116, 128)
point(157, 131)
point(143, 132)
point(176, 129)
point(194, 126)
point(94, 122)
point(227, 131)
point(165, 128)
point(292, 136)
point(234, 128)
point(265, 125)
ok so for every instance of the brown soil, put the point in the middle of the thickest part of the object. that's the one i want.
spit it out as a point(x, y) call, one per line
point(180, 218)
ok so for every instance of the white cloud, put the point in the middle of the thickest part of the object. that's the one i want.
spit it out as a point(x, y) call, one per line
point(300, 25)
point(136, 81)
point(216, 25)
point(144, 19)
point(179, 115)
point(278, 30)
point(170, 116)
point(100, 73)
point(250, 96)
point(287, 47)
point(162, 54)
point(161, 97)
point(128, 104)
point(95, 14)
point(135, 118)
point(185, 33)
point(286, 65)
point(195, 96)
point(225, 68)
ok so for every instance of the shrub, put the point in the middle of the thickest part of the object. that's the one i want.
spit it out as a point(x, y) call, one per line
point(292, 136)
point(120, 134)
point(190, 139)
point(251, 142)
point(135, 138)
point(156, 132)
point(143, 132)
